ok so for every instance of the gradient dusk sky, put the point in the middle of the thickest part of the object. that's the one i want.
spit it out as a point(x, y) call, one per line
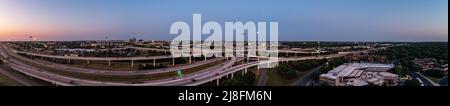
point(299, 20)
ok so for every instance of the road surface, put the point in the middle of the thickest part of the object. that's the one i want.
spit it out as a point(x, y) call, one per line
point(263, 78)
point(308, 78)
point(197, 78)
point(95, 58)
point(425, 81)
point(20, 78)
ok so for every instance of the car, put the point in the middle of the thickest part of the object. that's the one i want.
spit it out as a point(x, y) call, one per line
point(193, 80)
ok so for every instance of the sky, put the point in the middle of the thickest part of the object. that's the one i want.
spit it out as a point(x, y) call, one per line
point(299, 20)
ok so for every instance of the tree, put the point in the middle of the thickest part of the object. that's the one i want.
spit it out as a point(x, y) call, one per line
point(246, 80)
point(332, 64)
point(399, 70)
point(234, 82)
point(290, 74)
point(434, 73)
point(249, 78)
point(286, 71)
point(413, 82)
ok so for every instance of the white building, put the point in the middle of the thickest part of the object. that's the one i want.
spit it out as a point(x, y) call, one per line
point(360, 74)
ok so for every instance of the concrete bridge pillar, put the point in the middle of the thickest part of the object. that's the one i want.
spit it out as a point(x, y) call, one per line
point(218, 82)
point(232, 75)
point(257, 66)
point(190, 59)
point(154, 62)
point(132, 63)
point(173, 61)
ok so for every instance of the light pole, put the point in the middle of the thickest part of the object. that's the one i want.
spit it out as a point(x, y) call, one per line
point(30, 43)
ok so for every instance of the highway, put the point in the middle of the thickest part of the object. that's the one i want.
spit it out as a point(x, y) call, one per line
point(63, 67)
point(443, 81)
point(151, 49)
point(95, 58)
point(193, 79)
point(22, 79)
point(263, 78)
point(425, 81)
point(68, 81)
point(306, 80)
point(164, 50)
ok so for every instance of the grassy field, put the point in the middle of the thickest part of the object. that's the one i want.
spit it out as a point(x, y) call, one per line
point(5, 81)
point(434, 79)
point(275, 79)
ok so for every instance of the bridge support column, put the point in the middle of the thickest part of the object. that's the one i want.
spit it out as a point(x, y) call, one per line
point(109, 63)
point(154, 62)
point(87, 61)
point(132, 63)
point(245, 71)
point(232, 75)
point(295, 54)
point(218, 82)
point(190, 59)
point(173, 61)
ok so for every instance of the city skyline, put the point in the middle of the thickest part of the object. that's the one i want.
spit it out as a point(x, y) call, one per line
point(304, 20)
